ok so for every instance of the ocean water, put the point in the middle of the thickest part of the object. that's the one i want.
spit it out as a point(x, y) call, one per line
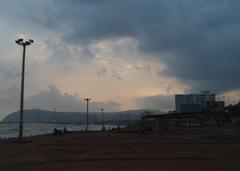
point(10, 130)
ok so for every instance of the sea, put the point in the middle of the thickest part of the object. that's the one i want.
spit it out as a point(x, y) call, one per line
point(10, 130)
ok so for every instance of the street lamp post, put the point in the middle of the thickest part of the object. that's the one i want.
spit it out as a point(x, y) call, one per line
point(87, 99)
point(102, 119)
point(24, 44)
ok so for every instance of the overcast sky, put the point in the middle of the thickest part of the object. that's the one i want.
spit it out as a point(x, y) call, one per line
point(124, 54)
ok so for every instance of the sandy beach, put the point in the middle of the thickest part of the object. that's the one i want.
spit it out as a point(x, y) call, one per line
point(165, 151)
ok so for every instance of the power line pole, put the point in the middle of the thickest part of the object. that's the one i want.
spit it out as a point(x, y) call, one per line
point(102, 119)
point(87, 99)
point(24, 44)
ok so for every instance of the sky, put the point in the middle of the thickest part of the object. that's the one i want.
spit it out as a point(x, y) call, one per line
point(126, 54)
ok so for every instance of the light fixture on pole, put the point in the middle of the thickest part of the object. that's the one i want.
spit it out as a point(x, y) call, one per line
point(87, 99)
point(24, 44)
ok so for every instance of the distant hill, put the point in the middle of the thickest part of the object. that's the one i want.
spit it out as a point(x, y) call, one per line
point(44, 116)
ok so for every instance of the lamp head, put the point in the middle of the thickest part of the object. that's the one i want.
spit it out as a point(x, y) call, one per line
point(87, 99)
point(19, 41)
point(27, 43)
point(24, 43)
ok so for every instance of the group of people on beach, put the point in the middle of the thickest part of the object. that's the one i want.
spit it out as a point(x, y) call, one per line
point(59, 131)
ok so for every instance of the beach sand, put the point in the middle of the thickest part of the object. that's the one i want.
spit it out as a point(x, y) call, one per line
point(162, 151)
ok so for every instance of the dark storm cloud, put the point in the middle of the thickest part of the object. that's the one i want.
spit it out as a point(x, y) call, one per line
point(197, 40)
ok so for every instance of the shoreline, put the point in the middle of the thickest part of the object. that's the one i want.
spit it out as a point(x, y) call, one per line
point(137, 131)
point(11, 130)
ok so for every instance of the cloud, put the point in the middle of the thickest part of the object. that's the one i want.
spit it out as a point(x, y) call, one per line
point(101, 71)
point(197, 40)
point(53, 98)
point(153, 47)
point(9, 99)
point(163, 103)
point(8, 71)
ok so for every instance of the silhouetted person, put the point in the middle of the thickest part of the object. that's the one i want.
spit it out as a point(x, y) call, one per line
point(57, 132)
point(65, 130)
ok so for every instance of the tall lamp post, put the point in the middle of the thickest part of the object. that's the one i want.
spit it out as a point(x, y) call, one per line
point(87, 99)
point(102, 119)
point(24, 44)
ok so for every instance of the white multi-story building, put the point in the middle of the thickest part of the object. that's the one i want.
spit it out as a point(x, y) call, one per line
point(193, 102)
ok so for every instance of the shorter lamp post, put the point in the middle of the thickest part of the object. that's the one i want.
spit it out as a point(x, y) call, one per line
point(87, 99)
point(102, 109)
